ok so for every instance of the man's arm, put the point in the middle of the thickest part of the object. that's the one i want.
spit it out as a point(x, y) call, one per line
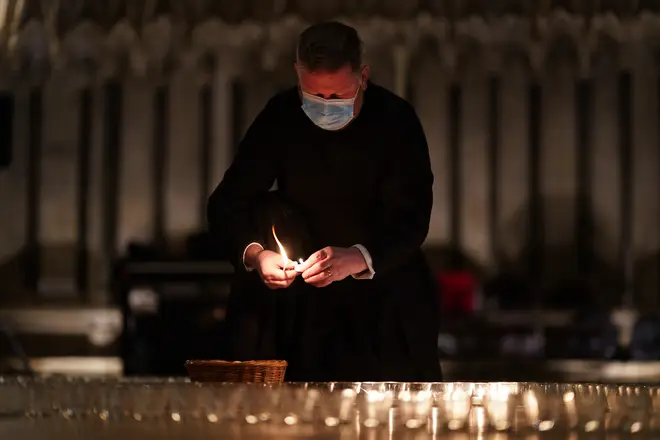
point(406, 197)
point(252, 173)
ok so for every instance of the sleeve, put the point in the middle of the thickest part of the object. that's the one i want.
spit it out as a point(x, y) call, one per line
point(251, 174)
point(249, 269)
point(406, 198)
point(370, 272)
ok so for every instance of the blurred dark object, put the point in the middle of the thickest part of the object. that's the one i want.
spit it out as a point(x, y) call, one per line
point(173, 311)
point(510, 291)
point(529, 335)
point(16, 349)
point(572, 293)
point(449, 258)
point(142, 252)
point(201, 247)
point(592, 337)
point(645, 343)
point(6, 129)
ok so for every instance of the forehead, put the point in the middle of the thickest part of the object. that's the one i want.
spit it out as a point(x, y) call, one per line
point(343, 80)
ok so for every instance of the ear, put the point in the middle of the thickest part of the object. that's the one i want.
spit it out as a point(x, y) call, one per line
point(364, 76)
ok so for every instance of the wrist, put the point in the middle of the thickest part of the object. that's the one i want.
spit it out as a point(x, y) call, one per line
point(252, 254)
point(360, 264)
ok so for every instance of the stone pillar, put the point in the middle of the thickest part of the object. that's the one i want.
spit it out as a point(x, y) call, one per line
point(513, 170)
point(558, 171)
point(401, 67)
point(430, 81)
point(135, 179)
point(474, 168)
point(57, 220)
point(646, 185)
point(222, 148)
point(97, 264)
point(606, 170)
point(13, 191)
point(182, 168)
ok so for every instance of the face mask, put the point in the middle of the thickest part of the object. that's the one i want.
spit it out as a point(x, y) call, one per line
point(329, 114)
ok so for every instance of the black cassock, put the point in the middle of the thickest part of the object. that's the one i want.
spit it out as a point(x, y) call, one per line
point(369, 184)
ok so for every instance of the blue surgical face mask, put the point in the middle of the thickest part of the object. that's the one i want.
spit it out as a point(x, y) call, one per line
point(329, 114)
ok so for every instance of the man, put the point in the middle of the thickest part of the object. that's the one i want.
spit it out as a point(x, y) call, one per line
point(353, 159)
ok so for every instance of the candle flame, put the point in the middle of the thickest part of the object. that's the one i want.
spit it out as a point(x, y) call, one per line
point(285, 259)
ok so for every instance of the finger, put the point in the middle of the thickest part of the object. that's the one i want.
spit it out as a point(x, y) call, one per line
point(319, 277)
point(317, 269)
point(289, 265)
point(320, 261)
point(278, 284)
point(277, 276)
point(306, 264)
point(281, 276)
point(324, 283)
point(323, 254)
point(291, 274)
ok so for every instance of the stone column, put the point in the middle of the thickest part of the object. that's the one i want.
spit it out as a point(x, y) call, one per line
point(13, 193)
point(401, 67)
point(558, 180)
point(474, 167)
point(606, 171)
point(222, 148)
point(182, 168)
point(646, 185)
point(135, 179)
point(430, 96)
point(57, 222)
point(513, 170)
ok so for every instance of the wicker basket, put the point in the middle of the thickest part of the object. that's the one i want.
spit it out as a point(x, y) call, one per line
point(269, 372)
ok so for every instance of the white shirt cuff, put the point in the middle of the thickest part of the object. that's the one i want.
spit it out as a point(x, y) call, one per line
point(370, 272)
point(249, 269)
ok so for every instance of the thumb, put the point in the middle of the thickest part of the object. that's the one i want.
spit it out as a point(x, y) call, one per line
point(291, 274)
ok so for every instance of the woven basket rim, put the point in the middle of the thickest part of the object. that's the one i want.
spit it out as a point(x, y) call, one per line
point(221, 363)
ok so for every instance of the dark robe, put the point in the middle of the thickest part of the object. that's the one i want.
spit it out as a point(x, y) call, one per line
point(369, 184)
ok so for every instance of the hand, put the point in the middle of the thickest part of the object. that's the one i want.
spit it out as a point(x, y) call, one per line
point(272, 272)
point(332, 264)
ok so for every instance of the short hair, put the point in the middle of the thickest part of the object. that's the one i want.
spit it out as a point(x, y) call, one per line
point(329, 46)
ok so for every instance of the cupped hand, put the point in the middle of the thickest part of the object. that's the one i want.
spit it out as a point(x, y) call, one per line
point(273, 272)
point(332, 264)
